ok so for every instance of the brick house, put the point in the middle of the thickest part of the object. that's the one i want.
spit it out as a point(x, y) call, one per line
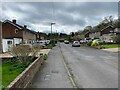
point(87, 35)
point(29, 36)
point(13, 34)
point(106, 33)
point(40, 36)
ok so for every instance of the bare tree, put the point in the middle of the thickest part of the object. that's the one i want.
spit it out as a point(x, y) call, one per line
point(24, 52)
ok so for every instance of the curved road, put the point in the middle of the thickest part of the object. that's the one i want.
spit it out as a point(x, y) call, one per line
point(91, 68)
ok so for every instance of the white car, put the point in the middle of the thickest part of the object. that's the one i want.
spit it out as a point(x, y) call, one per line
point(83, 41)
point(98, 40)
point(76, 44)
point(66, 42)
point(47, 42)
point(41, 43)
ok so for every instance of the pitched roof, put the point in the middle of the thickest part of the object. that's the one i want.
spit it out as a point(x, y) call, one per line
point(19, 26)
point(107, 27)
point(12, 24)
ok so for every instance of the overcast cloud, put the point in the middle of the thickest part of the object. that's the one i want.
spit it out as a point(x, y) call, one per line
point(68, 16)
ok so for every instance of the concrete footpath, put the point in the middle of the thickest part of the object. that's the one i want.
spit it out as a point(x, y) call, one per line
point(53, 73)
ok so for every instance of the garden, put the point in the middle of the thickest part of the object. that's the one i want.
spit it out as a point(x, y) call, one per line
point(24, 55)
point(103, 45)
point(12, 68)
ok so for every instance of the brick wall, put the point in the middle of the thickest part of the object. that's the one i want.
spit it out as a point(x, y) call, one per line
point(26, 76)
point(28, 36)
point(9, 31)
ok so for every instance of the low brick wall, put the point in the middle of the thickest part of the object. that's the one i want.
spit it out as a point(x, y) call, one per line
point(26, 76)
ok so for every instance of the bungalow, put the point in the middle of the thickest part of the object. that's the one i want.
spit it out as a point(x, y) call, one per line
point(13, 34)
point(106, 33)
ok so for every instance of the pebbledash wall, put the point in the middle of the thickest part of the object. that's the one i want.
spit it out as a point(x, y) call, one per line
point(23, 80)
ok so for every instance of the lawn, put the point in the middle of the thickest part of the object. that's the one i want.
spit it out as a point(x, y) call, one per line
point(110, 46)
point(0, 76)
point(11, 68)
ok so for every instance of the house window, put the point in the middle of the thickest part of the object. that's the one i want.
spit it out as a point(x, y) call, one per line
point(9, 42)
point(16, 31)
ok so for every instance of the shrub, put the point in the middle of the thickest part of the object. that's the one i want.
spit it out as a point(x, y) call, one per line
point(116, 38)
point(45, 57)
point(52, 42)
point(24, 52)
point(89, 43)
point(95, 44)
point(37, 47)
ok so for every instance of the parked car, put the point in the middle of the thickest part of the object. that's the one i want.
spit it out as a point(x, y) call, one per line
point(76, 44)
point(66, 42)
point(47, 42)
point(41, 43)
point(83, 41)
point(98, 40)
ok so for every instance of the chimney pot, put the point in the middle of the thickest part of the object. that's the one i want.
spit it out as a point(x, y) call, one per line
point(14, 21)
point(25, 26)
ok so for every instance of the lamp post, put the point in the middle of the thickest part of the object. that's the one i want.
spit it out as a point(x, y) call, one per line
point(51, 29)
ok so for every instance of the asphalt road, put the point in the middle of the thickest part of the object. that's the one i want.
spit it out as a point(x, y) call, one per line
point(91, 68)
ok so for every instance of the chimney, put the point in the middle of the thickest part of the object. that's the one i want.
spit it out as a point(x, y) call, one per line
point(14, 21)
point(25, 26)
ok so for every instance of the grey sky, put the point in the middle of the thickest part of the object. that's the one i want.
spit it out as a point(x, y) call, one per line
point(68, 16)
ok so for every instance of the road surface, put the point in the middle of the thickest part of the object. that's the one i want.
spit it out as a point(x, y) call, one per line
point(90, 68)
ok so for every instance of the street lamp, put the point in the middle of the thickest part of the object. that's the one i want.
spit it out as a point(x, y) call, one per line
point(51, 29)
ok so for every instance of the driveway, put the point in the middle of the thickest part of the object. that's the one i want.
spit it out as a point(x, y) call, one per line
point(89, 67)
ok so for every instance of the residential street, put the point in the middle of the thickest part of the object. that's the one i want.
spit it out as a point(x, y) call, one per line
point(91, 68)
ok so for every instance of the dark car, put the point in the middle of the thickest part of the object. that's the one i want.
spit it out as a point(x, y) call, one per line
point(76, 44)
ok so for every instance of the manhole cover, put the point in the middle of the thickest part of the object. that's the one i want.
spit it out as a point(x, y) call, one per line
point(54, 71)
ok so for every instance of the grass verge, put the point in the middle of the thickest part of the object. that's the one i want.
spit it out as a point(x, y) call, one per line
point(111, 46)
point(11, 68)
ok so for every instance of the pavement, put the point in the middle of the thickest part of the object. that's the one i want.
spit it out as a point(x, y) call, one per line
point(90, 68)
point(112, 49)
point(8, 55)
point(53, 73)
